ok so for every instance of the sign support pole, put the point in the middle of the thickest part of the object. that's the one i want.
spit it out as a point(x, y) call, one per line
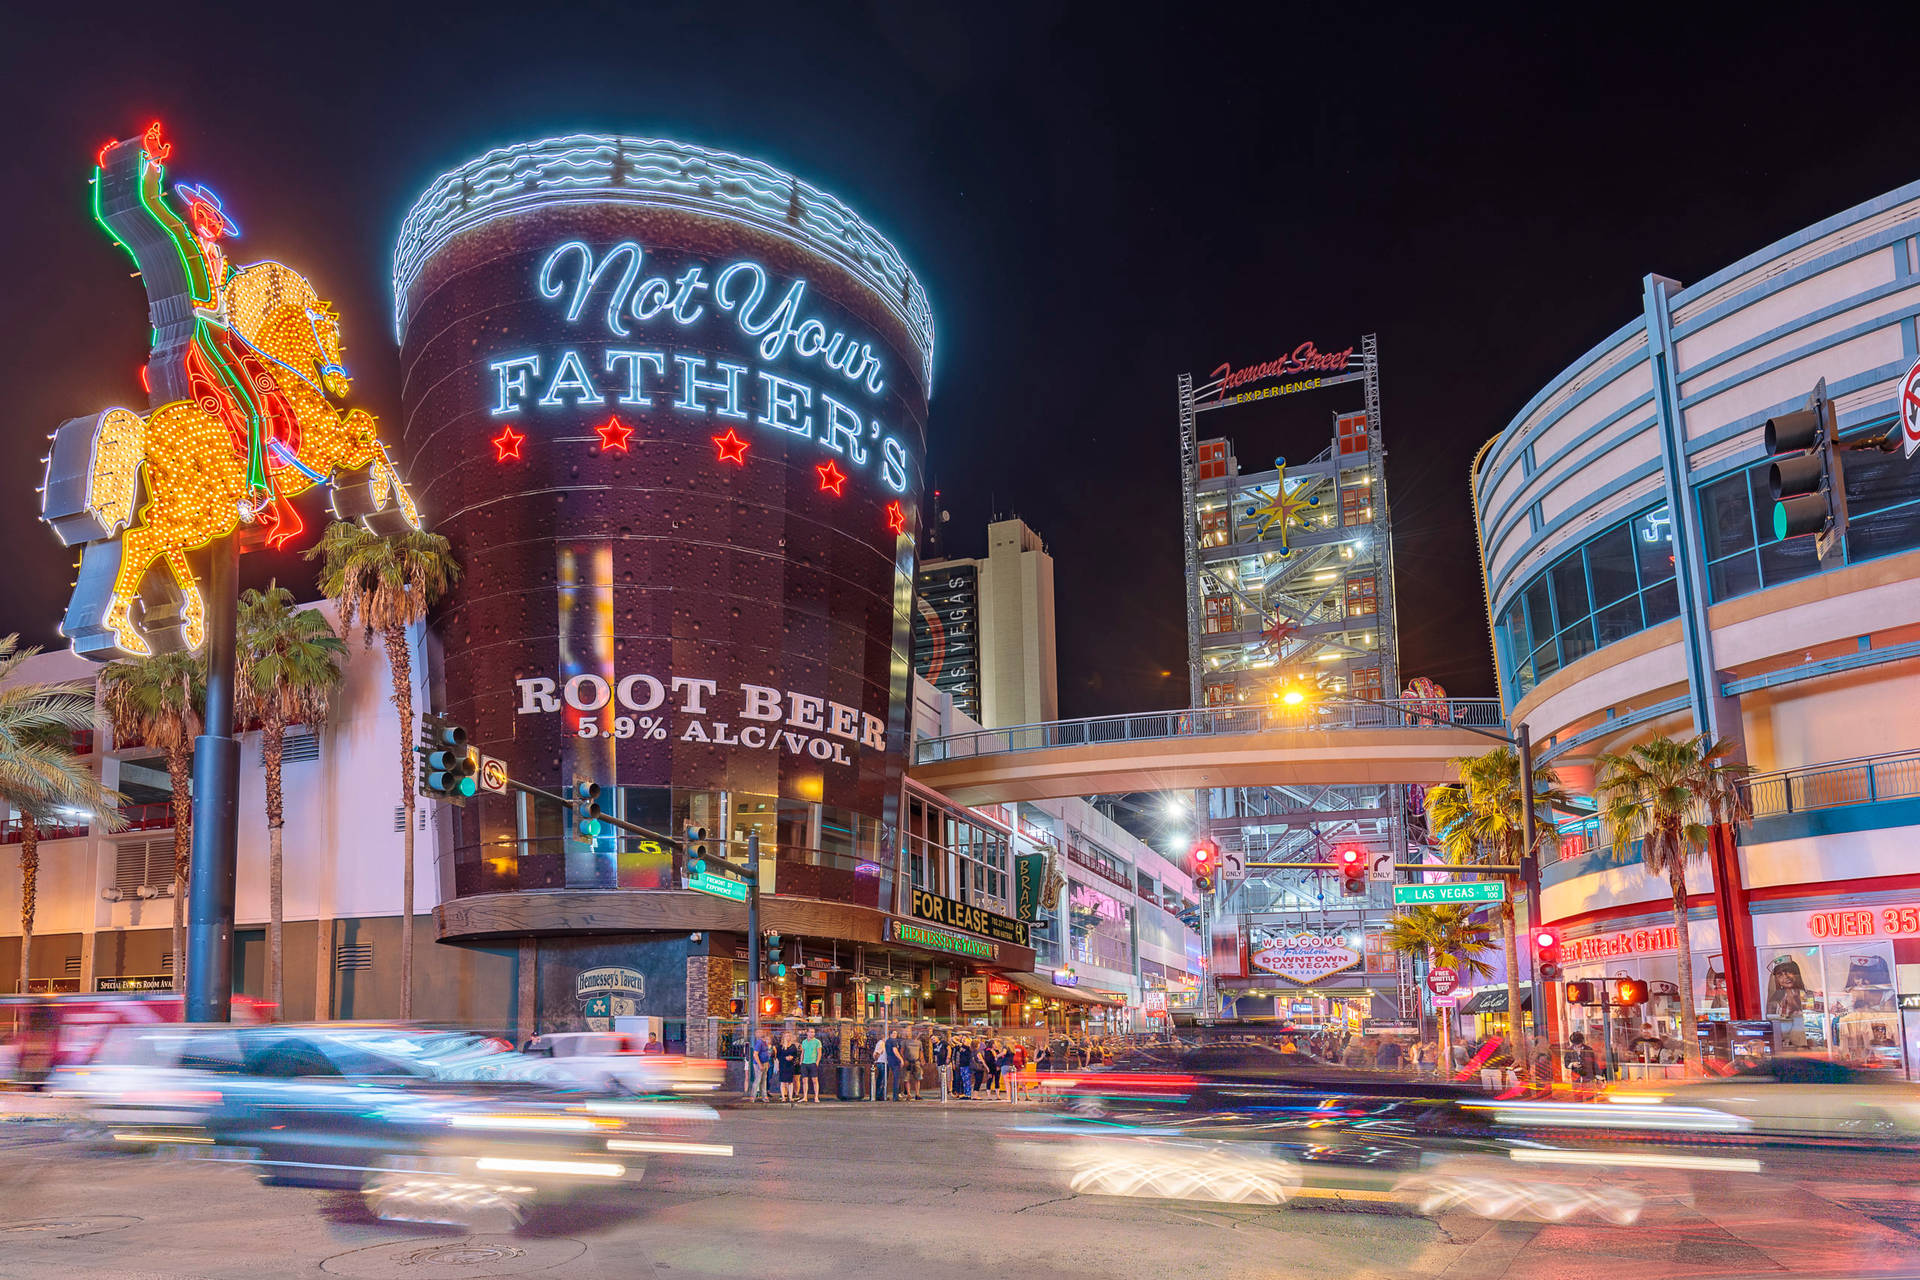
point(753, 953)
point(216, 804)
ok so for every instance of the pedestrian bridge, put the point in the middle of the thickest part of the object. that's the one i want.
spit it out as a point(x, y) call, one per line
point(1340, 744)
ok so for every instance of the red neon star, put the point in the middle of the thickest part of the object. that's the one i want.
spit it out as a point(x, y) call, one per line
point(832, 479)
point(613, 435)
point(732, 448)
point(506, 445)
point(896, 518)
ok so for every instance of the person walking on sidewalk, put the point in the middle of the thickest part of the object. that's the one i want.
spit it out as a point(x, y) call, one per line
point(962, 1068)
point(810, 1068)
point(1010, 1071)
point(759, 1058)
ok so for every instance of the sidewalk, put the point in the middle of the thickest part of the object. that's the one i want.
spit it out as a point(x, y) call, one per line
point(736, 1101)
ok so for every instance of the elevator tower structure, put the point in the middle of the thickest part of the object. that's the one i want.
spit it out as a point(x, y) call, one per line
point(1289, 577)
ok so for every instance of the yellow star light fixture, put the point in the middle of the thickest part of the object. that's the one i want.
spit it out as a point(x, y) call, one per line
point(1285, 509)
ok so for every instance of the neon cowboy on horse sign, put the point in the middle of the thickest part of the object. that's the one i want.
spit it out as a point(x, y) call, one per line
point(243, 384)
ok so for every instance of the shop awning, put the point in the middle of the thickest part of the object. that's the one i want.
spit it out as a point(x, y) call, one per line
point(1034, 984)
point(1494, 1000)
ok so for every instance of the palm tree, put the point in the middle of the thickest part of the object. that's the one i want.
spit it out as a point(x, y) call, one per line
point(158, 700)
point(1669, 795)
point(40, 773)
point(1482, 818)
point(288, 665)
point(390, 583)
point(1442, 935)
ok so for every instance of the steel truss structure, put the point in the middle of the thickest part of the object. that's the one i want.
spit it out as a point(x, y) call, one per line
point(1306, 600)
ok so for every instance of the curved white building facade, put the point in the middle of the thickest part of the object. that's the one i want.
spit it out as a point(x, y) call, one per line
point(1635, 587)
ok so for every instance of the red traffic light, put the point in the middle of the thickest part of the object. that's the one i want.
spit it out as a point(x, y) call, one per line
point(1203, 852)
point(1349, 858)
point(1546, 939)
point(1629, 992)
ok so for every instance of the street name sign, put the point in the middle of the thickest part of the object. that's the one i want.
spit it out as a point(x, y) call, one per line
point(1428, 895)
point(718, 886)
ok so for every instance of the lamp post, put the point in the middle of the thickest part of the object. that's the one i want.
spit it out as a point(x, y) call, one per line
point(1522, 742)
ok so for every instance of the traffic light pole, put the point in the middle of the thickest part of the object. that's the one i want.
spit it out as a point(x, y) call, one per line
point(753, 956)
point(1530, 872)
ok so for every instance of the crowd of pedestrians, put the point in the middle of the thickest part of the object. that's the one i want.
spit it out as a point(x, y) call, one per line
point(909, 1063)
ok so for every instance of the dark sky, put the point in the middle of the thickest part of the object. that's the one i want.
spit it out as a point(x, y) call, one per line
point(1099, 197)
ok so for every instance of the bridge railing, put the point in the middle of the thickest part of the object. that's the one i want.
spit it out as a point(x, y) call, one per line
point(1216, 722)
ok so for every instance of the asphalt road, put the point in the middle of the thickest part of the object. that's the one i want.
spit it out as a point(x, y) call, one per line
point(921, 1193)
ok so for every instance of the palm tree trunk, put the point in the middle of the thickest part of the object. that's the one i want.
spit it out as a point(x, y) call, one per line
point(1515, 1046)
point(273, 738)
point(29, 882)
point(400, 663)
point(1683, 963)
point(180, 770)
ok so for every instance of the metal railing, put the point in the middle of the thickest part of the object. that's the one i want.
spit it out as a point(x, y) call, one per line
point(1214, 722)
point(1862, 781)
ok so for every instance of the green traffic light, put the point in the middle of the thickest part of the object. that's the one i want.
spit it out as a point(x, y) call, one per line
point(698, 866)
point(468, 786)
point(589, 827)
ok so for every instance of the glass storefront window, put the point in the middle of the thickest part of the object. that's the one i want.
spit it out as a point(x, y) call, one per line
point(1795, 998)
point(1865, 1011)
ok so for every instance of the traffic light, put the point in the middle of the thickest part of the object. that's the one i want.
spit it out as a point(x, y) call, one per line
point(1806, 479)
point(1353, 872)
point(769, 1006)
point(1580, 993)
point(448, 766)
point(1546, 948)
point(1205, 864)
point(696, 851)
point(587, 812)
point(1628, 992)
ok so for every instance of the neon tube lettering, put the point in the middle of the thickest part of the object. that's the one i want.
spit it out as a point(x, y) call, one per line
point(633, 395)
point(728, 387)
point(843, 424)
point(589, 277)
point(789, 405)
point(570, 375)
point(511, 376)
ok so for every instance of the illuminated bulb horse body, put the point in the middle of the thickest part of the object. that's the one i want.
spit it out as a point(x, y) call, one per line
point(243, 378)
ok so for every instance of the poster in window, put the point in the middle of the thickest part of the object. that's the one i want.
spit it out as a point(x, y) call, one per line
point(1796, 998)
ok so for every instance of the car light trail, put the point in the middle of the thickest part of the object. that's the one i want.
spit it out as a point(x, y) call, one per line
point(586, 1168)
point(1638, 1160)
point(670, 1148)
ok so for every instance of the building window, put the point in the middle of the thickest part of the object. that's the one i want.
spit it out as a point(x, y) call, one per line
point(1615, 584)
point(1363, 595)
point(1101, 928)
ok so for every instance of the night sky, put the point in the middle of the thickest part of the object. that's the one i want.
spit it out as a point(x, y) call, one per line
point(1098, 199)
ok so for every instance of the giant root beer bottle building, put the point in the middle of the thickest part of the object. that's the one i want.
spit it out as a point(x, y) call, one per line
point(669, 405)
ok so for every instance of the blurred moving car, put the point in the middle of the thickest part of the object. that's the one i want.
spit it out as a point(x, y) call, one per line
point(1248, 1124)
point(1796, 1096)
point(372, 1109)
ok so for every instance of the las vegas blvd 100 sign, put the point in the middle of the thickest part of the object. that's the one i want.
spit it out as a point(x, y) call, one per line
point(1428, 895)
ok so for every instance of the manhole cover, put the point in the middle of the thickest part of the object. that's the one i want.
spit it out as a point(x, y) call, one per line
point(66, 1228)
point(454, 1259)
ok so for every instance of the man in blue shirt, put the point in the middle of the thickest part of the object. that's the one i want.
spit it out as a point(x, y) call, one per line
point(757, 1062)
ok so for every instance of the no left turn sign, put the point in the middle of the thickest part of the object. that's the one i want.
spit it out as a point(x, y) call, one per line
point(1910, 410)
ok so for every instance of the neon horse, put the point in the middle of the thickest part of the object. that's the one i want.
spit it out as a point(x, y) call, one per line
point(243, 379)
